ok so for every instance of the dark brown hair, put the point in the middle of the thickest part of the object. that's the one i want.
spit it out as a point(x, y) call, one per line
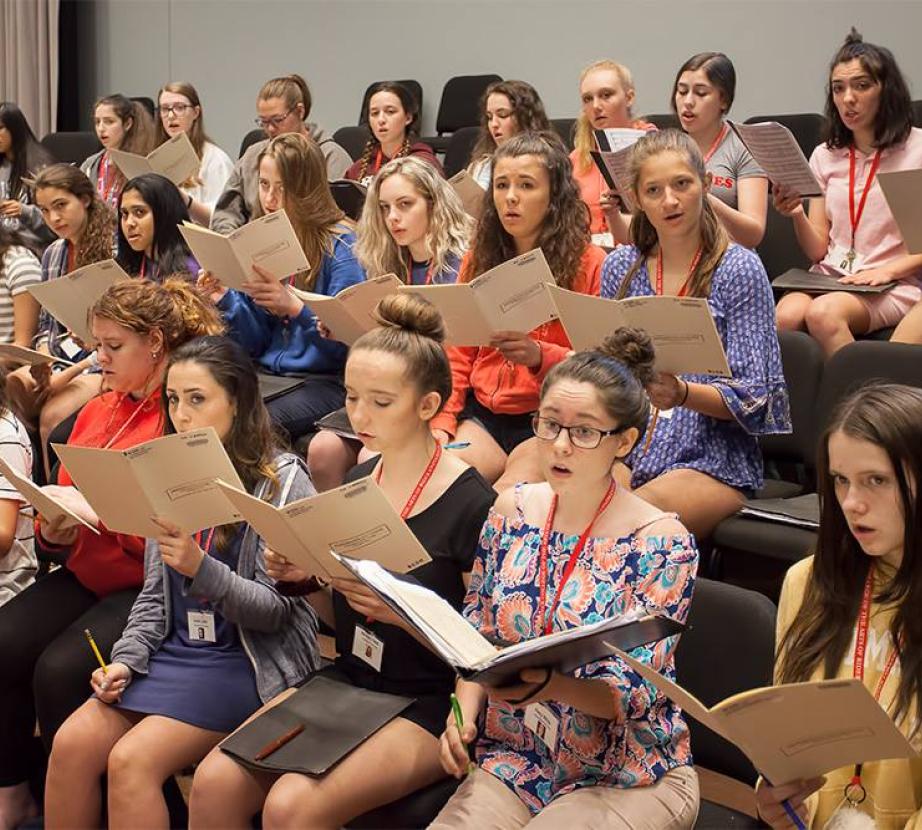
point(718, 69)
point(410, 107)
point(527, 108)
point(292, 89)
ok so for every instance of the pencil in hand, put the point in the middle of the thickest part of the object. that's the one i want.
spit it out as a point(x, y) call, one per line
point(92, 642)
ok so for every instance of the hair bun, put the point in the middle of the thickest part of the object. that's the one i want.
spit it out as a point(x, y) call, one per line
point(853, 36)
point(634, 348)
point(411, 313)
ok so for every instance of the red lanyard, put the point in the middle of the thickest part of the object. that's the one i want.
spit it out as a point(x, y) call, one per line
point(691, 270)
point(716, 144)
point(130, 418)
point(420, 485)
point(201, 535)
point(410, 271)
point(105, 184)
point(853, 216)
point(861, 644)
point(546, 619)
point(378, 157)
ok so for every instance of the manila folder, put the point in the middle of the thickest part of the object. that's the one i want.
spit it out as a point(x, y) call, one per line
point(350, 314)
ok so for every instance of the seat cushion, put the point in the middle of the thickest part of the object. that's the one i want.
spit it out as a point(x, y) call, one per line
point(712, 816)
point(415, 810)
point(771, 539)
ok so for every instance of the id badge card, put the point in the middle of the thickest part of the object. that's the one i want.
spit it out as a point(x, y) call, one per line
point(543, 723)
point(847, 260)
point(70, 347)
point(368, 648)
point(201, 626)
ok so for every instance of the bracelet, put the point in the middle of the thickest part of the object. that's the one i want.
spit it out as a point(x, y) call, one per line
point(685, 396)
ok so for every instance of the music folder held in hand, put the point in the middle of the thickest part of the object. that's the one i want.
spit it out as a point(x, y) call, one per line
point(796, 731)
point(509, 297)
point(777, 152)
point(682, 329)
point(175, 159)
point(269, 242)
point(901, 189)
point(51, 508)
point(461, 646)
point(613, 160)
point(469, 192)
point(172, 477)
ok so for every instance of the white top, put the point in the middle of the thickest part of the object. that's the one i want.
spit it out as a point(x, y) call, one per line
point(18, 566)
point(19, 268)
point(214, 173)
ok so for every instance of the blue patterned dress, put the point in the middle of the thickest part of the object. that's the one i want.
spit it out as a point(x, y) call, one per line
point(611, 577)
point(743, 308)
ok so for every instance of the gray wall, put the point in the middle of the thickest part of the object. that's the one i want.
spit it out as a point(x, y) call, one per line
point(227, 48)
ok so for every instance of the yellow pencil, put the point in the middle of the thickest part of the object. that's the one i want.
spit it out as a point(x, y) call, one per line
point(651, 430)
point(92, 642)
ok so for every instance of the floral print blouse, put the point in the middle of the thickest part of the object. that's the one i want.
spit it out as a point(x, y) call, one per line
point(655, 573)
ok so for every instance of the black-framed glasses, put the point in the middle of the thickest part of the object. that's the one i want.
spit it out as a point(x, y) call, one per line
point(586, 438)
point(273, 120)
point(176, 109)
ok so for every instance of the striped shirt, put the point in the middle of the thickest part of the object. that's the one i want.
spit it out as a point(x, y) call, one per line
point(19, 268)
point(19, 564)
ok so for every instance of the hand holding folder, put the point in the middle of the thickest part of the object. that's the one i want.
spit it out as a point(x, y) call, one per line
point(51, 502)
point(348, 315)
point(777, 152)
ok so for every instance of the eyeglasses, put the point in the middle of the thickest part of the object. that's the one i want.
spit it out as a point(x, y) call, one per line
point(273, 121)
point(176, 109)
point(585, 438)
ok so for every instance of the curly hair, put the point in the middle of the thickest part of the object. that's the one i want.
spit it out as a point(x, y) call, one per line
point(410, 107)
point(583, 136)
point(527, 109)
point(449, 228)
point(714, 238)
point(564, 232)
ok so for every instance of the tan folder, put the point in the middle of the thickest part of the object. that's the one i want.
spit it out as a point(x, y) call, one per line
point(175, 159)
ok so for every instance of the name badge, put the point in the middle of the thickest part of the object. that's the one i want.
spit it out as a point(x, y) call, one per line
point(69, 346)
point(543, 722)
point(201, 626)
point(367, 647)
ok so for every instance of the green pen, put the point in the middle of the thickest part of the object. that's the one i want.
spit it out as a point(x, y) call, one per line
point(459, 722)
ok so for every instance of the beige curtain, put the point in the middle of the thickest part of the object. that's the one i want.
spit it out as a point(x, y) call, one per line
point(29, 60)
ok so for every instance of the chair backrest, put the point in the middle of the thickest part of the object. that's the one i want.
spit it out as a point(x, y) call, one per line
point(414, 87)
point(779, 249)
point(250, 139)
point(917, 113)
point(728, 648)
point(458, 152)
point(147, 103)
point(807, 127)
point(349, 198)
point(565, 127)
point(664, 120)
point(860, 364)
point(802, 360)
point(460, 103)
point(352, 140)
point(72, 148)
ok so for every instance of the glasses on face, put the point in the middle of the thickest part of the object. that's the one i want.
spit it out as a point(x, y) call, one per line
point(273, 120)
point(175, 109)
point(586, 438)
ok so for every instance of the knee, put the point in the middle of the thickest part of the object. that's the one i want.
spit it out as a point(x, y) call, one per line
point(75, 744)
point(789, 316)
point(328, 459)
point(215, 780)
point(291, 803)
point(823, 320)
point(127, 764)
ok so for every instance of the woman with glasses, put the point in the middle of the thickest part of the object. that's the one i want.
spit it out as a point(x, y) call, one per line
point(702, 456)
point(596, 745)
point(180, 111)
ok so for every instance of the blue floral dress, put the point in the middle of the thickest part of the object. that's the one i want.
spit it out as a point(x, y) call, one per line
point(611, 577)
point(743, 307)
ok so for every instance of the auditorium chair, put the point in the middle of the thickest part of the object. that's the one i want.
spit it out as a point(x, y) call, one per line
point(917, 113)
point(250, 139)
point(565, 128)
point(413, 87)
point(147, 103)
point(72, 148)
point(458, 153)
point(779, 249)
point(459, 107)
point(664, 120)
point(352, 140)
point(807, 127)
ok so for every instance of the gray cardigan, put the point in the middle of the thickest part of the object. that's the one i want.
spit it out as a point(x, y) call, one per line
point(279, 634)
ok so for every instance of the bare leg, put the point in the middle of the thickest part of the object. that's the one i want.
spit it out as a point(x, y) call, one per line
point(791, 311)
point(395, 761)
point(141, 761)
point(701, 501)
point(521, 465)
point(834, 319)
point(910, 328)
point(329, 458)
point(484, 453)
point(79, 755)
point(21, 391)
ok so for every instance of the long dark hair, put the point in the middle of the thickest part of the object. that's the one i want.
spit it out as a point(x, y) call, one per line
point(169, 210)
point(28, 156)
point(410, 107)
point(527, 107)
point(894, 113)
point(565, 231)
point(718, 69)
point(890, 417)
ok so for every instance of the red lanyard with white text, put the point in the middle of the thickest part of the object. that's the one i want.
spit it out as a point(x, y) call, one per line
point(428, 280)
point(105, 184)
point(546, 618)
point(420, 485)
point(854, 217)
point(854, 791)
point(691, 270)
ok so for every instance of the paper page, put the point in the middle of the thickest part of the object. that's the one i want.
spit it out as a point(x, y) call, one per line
point(175, 159)
point(271, 243)
point(69, 298)
point(683, 334)
point(618, 138)
point(588, 320)
point(44, 503)
point(512, 296)
point(214, 253)
point(777, 152)
point(20, 355)
point(901, 190)
point(470, 193)
point(464, 322)
point(179, 473)
point(349, 314)
point(130, 164)
point(613, 159)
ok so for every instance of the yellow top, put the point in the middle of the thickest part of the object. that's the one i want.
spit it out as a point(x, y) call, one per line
point(894, 787)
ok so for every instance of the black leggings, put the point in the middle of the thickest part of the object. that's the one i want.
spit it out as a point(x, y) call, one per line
point(46, 663)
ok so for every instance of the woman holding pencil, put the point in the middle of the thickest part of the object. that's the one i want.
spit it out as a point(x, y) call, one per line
point(209, 637)
point(852, 609)
point(701, 456)
point(136, 325)
point(596, 746)
point(397, 378)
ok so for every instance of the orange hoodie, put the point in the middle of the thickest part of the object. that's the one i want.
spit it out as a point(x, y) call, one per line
point(510, 388)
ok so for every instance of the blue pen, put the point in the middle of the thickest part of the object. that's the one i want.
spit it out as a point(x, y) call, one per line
point(457, 445)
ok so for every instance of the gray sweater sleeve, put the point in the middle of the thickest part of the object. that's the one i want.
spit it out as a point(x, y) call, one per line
point(253, 603)
point(230, 211)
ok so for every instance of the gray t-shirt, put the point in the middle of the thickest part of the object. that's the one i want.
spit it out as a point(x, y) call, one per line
point(731, 161)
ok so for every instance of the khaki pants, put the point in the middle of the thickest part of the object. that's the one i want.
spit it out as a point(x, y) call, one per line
point(485, 802)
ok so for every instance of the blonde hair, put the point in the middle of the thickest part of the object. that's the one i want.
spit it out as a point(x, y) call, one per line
point(197, 134)
point(308, 202)
point(714, 238)
point(447, 235)
point(583, 137)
